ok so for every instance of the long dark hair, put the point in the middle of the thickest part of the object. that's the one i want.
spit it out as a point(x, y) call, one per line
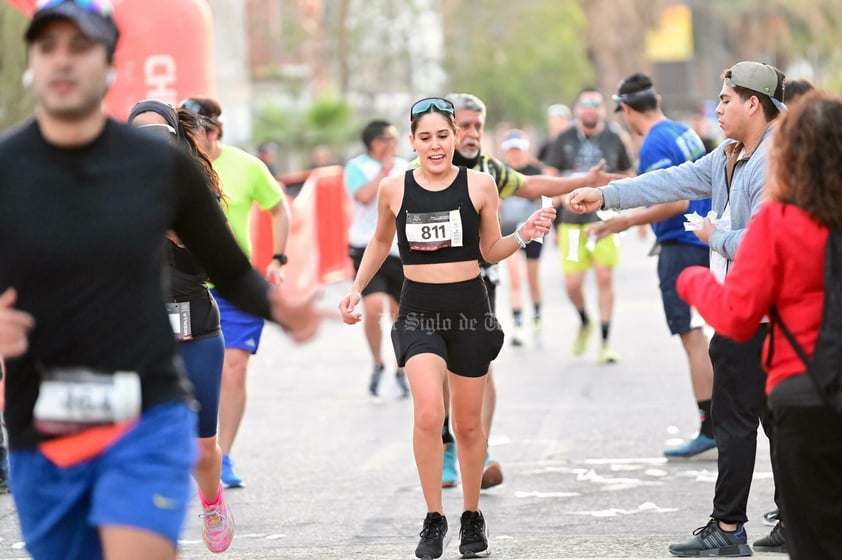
point(805, 155)
point(189, 125)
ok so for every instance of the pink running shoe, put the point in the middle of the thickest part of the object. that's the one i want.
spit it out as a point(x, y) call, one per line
point(218, 526)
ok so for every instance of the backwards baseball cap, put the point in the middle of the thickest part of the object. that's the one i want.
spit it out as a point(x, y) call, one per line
point(760, 78)
point(515, 140)
point(635, 88)
point(93, 17)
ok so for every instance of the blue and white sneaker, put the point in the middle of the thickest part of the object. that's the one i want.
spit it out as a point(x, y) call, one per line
point(692, 448)
point(230, 479)
point(448, 471)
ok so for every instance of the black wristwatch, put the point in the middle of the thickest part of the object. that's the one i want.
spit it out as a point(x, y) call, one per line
point(280, 257)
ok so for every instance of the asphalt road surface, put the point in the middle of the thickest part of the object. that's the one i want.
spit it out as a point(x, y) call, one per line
point(330, 471)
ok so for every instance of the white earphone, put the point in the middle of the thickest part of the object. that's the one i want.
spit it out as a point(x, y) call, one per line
point(26, 78)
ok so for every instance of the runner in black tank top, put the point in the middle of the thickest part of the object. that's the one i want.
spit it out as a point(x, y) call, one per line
point(446, 218)
point(438, 220)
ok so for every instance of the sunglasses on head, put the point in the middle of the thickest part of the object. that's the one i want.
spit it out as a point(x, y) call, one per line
point(431, 103)
point(198, 108)
point(633, 96)
point(207, 119)
point(101, 7)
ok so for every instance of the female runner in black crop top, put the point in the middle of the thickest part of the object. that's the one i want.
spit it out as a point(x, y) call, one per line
point(446, 217)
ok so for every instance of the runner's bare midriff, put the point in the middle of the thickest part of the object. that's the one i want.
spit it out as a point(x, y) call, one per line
point(437, 274)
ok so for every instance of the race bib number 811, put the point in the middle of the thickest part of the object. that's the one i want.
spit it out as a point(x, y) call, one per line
point(431, 231)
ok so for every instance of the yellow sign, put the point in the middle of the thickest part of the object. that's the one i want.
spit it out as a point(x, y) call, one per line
point(672, 40)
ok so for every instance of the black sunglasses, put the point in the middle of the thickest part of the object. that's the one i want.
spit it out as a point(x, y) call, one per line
point(430, 103)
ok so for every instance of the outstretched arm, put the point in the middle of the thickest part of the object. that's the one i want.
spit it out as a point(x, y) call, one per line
point(637, 217)
point(536, 185)
point(200, 224)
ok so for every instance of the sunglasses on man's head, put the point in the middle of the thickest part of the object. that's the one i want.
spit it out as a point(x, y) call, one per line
point(101, 7)
point(633, 96)
point(428, 104)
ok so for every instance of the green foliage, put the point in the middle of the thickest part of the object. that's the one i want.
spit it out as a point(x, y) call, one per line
point(518, 57)
point(329, 113)
point(327, 121)
point(791, 30)
point(271, 122)
point(816, 27)
point(15, 103)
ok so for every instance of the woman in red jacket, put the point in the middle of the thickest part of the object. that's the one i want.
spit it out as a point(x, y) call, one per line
point(780, 264)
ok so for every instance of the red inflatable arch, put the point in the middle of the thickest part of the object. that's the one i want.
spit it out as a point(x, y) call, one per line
point(317, 247)
point(165, 51)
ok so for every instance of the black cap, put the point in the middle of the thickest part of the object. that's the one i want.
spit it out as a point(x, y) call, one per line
point(93, 17)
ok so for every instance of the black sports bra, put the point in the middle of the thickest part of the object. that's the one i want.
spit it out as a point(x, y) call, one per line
point(437, 226)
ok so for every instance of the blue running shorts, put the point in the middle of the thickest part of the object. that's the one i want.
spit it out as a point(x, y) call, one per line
point(673, 258)
point(240, 329)
point(143, 480)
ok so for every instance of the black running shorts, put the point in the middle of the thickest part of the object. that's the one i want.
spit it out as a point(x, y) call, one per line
point(453, 321)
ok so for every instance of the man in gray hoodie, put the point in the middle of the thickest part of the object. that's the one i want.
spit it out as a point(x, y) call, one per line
point(733, 175)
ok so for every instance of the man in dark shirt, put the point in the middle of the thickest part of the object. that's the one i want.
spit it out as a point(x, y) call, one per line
point(93, 385)
point(573, 152)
